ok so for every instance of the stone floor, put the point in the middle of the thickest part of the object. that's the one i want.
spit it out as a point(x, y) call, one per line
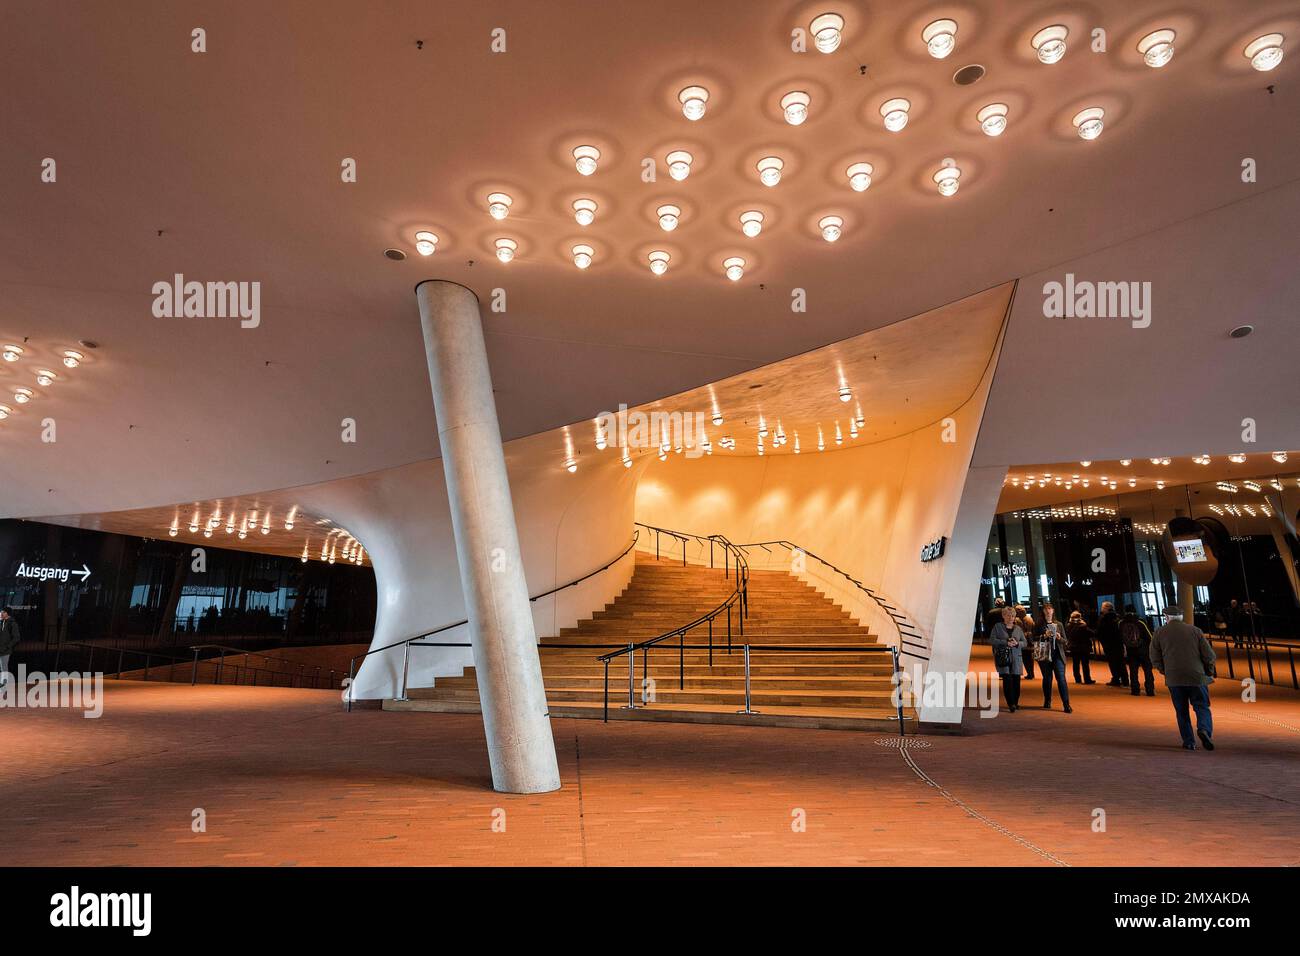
point(285, 777)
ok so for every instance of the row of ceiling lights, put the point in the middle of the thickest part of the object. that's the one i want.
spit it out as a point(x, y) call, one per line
point(44, 377)
point(337, 542)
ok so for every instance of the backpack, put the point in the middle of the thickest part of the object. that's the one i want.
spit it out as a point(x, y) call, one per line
point(1131, 632)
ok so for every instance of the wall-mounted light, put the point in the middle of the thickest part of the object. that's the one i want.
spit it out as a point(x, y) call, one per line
point(895, 112)
point(22, 395)
point(72, 358)
point(940, 37)
point(992, 119)
point(584, 159)
point(694, 100)
point(669, 215)
point(948, 177)
point(44, 377)
point(860, 176)
point(582, 254)
point(506, 249)
point(751, 223)
point(499, 205)
point(679, 164)
point(1049, 43)
point(12, 353)
point(658, 261)
point(827, 30)
point(1089, 122)
point(831, 226)
point(1157, 48)
point(584, 211)
point(1264, 53)
point(794, 106)
point(769, 170)
point(426, 243)
point(734, 268)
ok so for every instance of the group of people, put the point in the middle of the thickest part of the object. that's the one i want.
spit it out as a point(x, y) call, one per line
point(1240, 622)
point(1178, 650)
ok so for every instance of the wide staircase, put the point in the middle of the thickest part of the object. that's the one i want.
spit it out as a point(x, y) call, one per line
point(797, 676)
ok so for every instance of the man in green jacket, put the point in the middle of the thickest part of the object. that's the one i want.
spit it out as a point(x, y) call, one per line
point(1181, 653)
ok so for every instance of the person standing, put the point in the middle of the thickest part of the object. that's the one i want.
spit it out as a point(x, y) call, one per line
point(1112, 645)
point(1080, 636)
point(1008, 642)
point(1026, 624)
point(1181, 653)
point(1137, 649)
point(1051, 632)
point(9, 638)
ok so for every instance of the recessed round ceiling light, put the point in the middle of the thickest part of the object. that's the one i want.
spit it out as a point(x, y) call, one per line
point(895, 113)
point(1237, 459)
point(679, 164)
point(846, 393)
point(584, 158)
point(506, 249)
point(659, 262)
point(827, 31)
point(12, 353)
point(669, 215)
point(22, 395)
point(769, 170)
point(584, 211)
point(860, 176)
point(1265, 53)
point(397, 255)
point(734, 268)
point(72, 358)
point(795, 107)
point(425, 243)
point(1089, 122)
point(968, 75)
point(831, 227)
point(947, 178)
point(4, 411)
point(44, 377)
point(1157, 48)
point(582, 255)
point(694, 100)
point(1241, 331)
point(1049, 43)
point(993, 119)
point(940, 37)
point(499, 205)
point(751, 223)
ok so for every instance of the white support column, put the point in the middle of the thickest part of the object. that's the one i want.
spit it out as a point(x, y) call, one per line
point(506, 663)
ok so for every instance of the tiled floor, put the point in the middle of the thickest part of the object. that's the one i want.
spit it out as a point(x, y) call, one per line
point(286, 777)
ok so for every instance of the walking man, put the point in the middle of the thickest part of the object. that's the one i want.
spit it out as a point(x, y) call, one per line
point(1181, 653)
point(9, 639)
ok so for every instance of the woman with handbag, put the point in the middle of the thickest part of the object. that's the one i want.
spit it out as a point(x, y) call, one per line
point(1008, 641)
point(1050, 642)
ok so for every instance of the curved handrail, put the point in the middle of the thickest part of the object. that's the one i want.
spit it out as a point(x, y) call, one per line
point(447, 627)
point(900, 621)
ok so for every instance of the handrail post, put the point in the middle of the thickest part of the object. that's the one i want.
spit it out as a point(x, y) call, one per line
point(681, 661)
point(1268, 661)
point(710, 642)
point(1290, 654)
point(898, 696)
point(120, 651)
point(221, 668)
point(406, 663)
point(748, 709)
point(606, 713)
point(146, 666)
point(351, 665)
point(194, 668)
point(728, 628)
point(631, 677)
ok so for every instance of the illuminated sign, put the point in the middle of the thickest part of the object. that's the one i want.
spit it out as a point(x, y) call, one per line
point(51, 574)
point(933, 550)
point(1189, 550)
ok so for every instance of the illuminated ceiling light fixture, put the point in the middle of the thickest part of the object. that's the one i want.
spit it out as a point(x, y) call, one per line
point(45, 377)
point(669, 215)
point(1157, 48)
point(1280, 457)
point(506, 249)
point(895, 113)
point(1201, 459)
point(993, 119)
point(827, 31)
point(627, 459)
point(679, 164)
point(734, 268)
point(499, 205)
point(1049, 43)
point(659, 262)
point(72, 358)
point(1126, 462)
point(831, 226)
point(1237, 459)
point(12, 353)
point(796, 443)
point(584, 211)
point(304, 552)
point(289, 519)
point(846, 393)
point(860, 176)
point(853, 429)
point(570, 465)
point(694, 100)
point(751, 223)
point(1226, 486)
point(1251, 485)
point(582, 254)
point(821, 441)
point(1089, 122)
point(717, 417)
point(173, 531)
point(839, 436)
point(5, 411)
point(940, 37)
point(769, 170)
point(426, 243)
point(22, 395)
point(794, 105)
point(230, 525)
point(1264, 53)
point(584, 158)
point(1160, 484)
point(947, 178)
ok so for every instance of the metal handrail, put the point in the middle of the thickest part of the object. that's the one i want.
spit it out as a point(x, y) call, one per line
point(407, 642)
point(171, 662)
point(898, 619)
point(224, 649)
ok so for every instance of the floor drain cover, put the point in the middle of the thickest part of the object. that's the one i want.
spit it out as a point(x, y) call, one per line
point(911, 743)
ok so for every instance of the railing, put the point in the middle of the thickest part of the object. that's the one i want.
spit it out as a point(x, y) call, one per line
point(734, 564)
point(1265, 660)
point(418, 639)
point(908, 635)
point(148, 656)
point(171, 661)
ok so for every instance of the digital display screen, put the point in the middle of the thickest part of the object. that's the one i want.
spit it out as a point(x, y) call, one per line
point(1189, 550)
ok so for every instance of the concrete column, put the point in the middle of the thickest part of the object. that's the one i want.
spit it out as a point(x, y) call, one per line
point(506, 663)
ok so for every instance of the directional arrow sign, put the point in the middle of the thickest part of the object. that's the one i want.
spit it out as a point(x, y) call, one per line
point(1068, 582)
point(51, 574)
point(83, 573)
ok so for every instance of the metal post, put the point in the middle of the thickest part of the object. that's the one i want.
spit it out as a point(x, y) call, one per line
point(711, 543)
point(194, 668)
point(728, 628)
point(606, 717)
point(1269, 661)
point(631, 677)
point(748, 709)
point(351, 664)
point(120, 652)
point(406, 663)
point(710, 642)
point(681, 661)
point(221, 668)
point(146, 666)
point(1227, 652)
point(898, 695)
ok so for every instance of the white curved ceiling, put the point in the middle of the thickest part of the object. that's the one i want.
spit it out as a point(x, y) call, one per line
point(224, 166)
